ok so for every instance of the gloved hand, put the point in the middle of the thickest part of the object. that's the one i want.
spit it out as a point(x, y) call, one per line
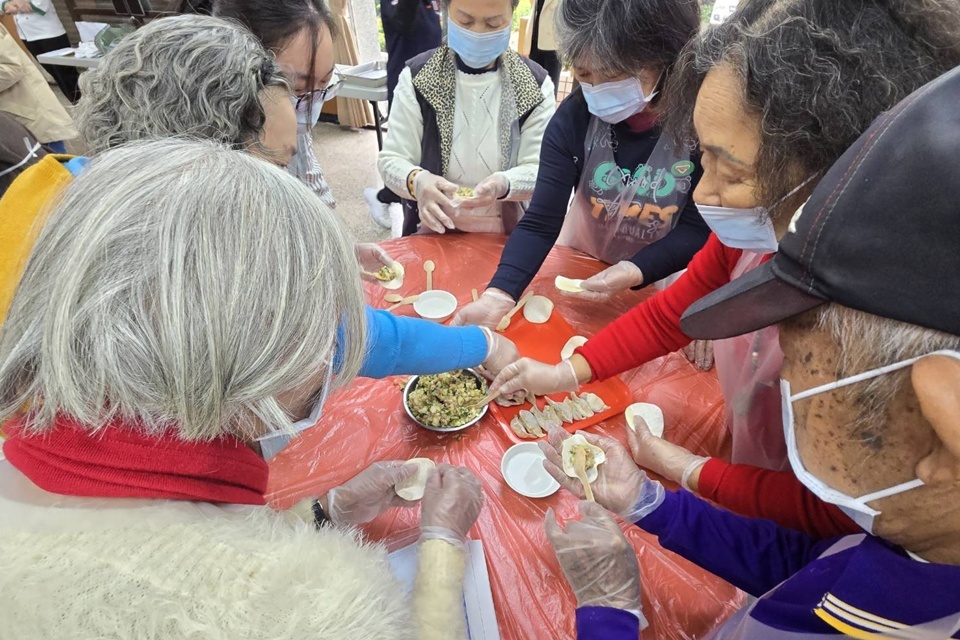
point(700, 353)
point(671, 461)
point(368, 494)
point(372, 258)
point(487, 192)
point(487, 311)
point(610, 281)
point(620, 486)
point(451, 504)
point(433, 194)
point(536, 377)
point(500, 352)
point(597, 560)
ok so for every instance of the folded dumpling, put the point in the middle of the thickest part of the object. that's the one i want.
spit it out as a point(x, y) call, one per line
point(562, 410)
point(597, 405)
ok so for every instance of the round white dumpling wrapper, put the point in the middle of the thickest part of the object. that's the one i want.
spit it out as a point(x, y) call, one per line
point(651, 414)
point(568, 284)
point(397, 282)
point(567, 453)
point(572, 344)
point(413, 487)
point(538, 309)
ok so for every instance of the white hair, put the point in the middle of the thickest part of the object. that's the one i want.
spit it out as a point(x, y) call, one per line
point(868, 342)
point(182, 285)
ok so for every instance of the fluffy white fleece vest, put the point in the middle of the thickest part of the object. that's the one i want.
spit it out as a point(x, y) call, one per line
point(84, 569)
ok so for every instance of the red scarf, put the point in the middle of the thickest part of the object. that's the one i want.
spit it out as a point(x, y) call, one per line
point(121, 461)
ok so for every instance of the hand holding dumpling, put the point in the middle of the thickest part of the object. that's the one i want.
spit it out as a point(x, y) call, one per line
point(451, 504)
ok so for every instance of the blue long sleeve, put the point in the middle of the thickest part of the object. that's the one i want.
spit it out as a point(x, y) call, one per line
point(752, 554)
point(397, 345)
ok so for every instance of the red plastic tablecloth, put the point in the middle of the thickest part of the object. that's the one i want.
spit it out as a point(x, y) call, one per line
point(366, 423)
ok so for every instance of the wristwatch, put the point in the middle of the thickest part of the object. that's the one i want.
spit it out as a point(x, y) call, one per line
point(319, 517)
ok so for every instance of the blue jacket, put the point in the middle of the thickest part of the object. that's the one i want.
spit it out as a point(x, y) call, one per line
point(398, 345)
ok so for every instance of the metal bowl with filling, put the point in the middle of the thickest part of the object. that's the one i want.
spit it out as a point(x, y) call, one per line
point(442, 402)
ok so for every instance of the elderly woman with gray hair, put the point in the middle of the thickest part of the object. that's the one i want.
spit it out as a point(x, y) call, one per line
point(631, 206)
point(147, 350)
point(237, 97)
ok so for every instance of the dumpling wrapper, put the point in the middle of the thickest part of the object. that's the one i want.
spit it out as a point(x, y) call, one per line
point(581, 408)
point(562, 409)
point(568, 284)
point(538, 309)
point(412, 488)
point(521, 431)
point(596, 402)
point(651, 414)
point(530, 423)
point(566, 455)
point(567, 351)
point(397, 282)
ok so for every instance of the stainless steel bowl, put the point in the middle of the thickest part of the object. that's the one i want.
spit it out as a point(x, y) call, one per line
point(412, 384)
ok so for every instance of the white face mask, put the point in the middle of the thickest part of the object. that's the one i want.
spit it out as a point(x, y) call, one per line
point(856, 509)
point(747, 229)
point(272, 443)
point(614, 102)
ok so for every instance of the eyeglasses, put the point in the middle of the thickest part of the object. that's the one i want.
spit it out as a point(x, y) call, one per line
point(329, 92)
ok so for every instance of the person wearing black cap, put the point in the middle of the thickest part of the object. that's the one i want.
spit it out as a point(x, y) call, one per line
point(865, 292)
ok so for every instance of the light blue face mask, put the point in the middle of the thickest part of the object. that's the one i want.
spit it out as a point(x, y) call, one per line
point(477, 50)
point(616, 101)
point(272, 443)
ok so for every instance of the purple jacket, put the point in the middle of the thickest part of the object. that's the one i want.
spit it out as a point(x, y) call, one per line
point(817, 588)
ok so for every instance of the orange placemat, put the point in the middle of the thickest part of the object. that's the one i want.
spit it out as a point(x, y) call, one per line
point(543, 342)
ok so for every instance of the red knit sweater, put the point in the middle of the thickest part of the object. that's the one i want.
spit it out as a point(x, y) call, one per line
point(651, 330)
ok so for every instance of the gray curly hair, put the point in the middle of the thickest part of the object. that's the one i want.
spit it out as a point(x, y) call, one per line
point(180, 76)
point(181, 284)
point(817, 73)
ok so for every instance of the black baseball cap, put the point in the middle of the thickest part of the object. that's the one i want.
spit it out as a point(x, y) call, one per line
point(881, 232)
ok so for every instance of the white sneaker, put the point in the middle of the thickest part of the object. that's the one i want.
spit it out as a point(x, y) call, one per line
point(378, 210)
point(396, 219)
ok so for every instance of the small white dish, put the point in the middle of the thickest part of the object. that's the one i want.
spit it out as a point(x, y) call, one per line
point(522, 468)
point(435, 305)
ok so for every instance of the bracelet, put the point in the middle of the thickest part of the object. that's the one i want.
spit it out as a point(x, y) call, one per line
point(411, 182)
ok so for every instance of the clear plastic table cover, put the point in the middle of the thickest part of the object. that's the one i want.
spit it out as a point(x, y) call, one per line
point(366, 422)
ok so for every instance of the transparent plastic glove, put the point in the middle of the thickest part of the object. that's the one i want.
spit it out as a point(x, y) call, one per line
point(487, 192)
point(620, 486)
point(451, 504)
point(487, 311)
point(368, 494)
point(500, 352)
point(434, 199)
point(596, 558)
point(609, 282)
point(372, 258)
point(536, 377)
point(700, 353)
point(671, 461)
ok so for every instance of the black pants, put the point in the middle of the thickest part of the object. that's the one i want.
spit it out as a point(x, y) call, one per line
point(66, 77)
point(549, 60)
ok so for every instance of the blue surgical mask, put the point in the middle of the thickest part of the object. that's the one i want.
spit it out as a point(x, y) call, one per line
point(477, 50)
point(614, 102)
point(747, 229)
point(857, 509)
point(272, 443)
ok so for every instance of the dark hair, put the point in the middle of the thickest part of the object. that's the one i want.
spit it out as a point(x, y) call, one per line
point(816, 73)
point(276, 22)
point(626, 36)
